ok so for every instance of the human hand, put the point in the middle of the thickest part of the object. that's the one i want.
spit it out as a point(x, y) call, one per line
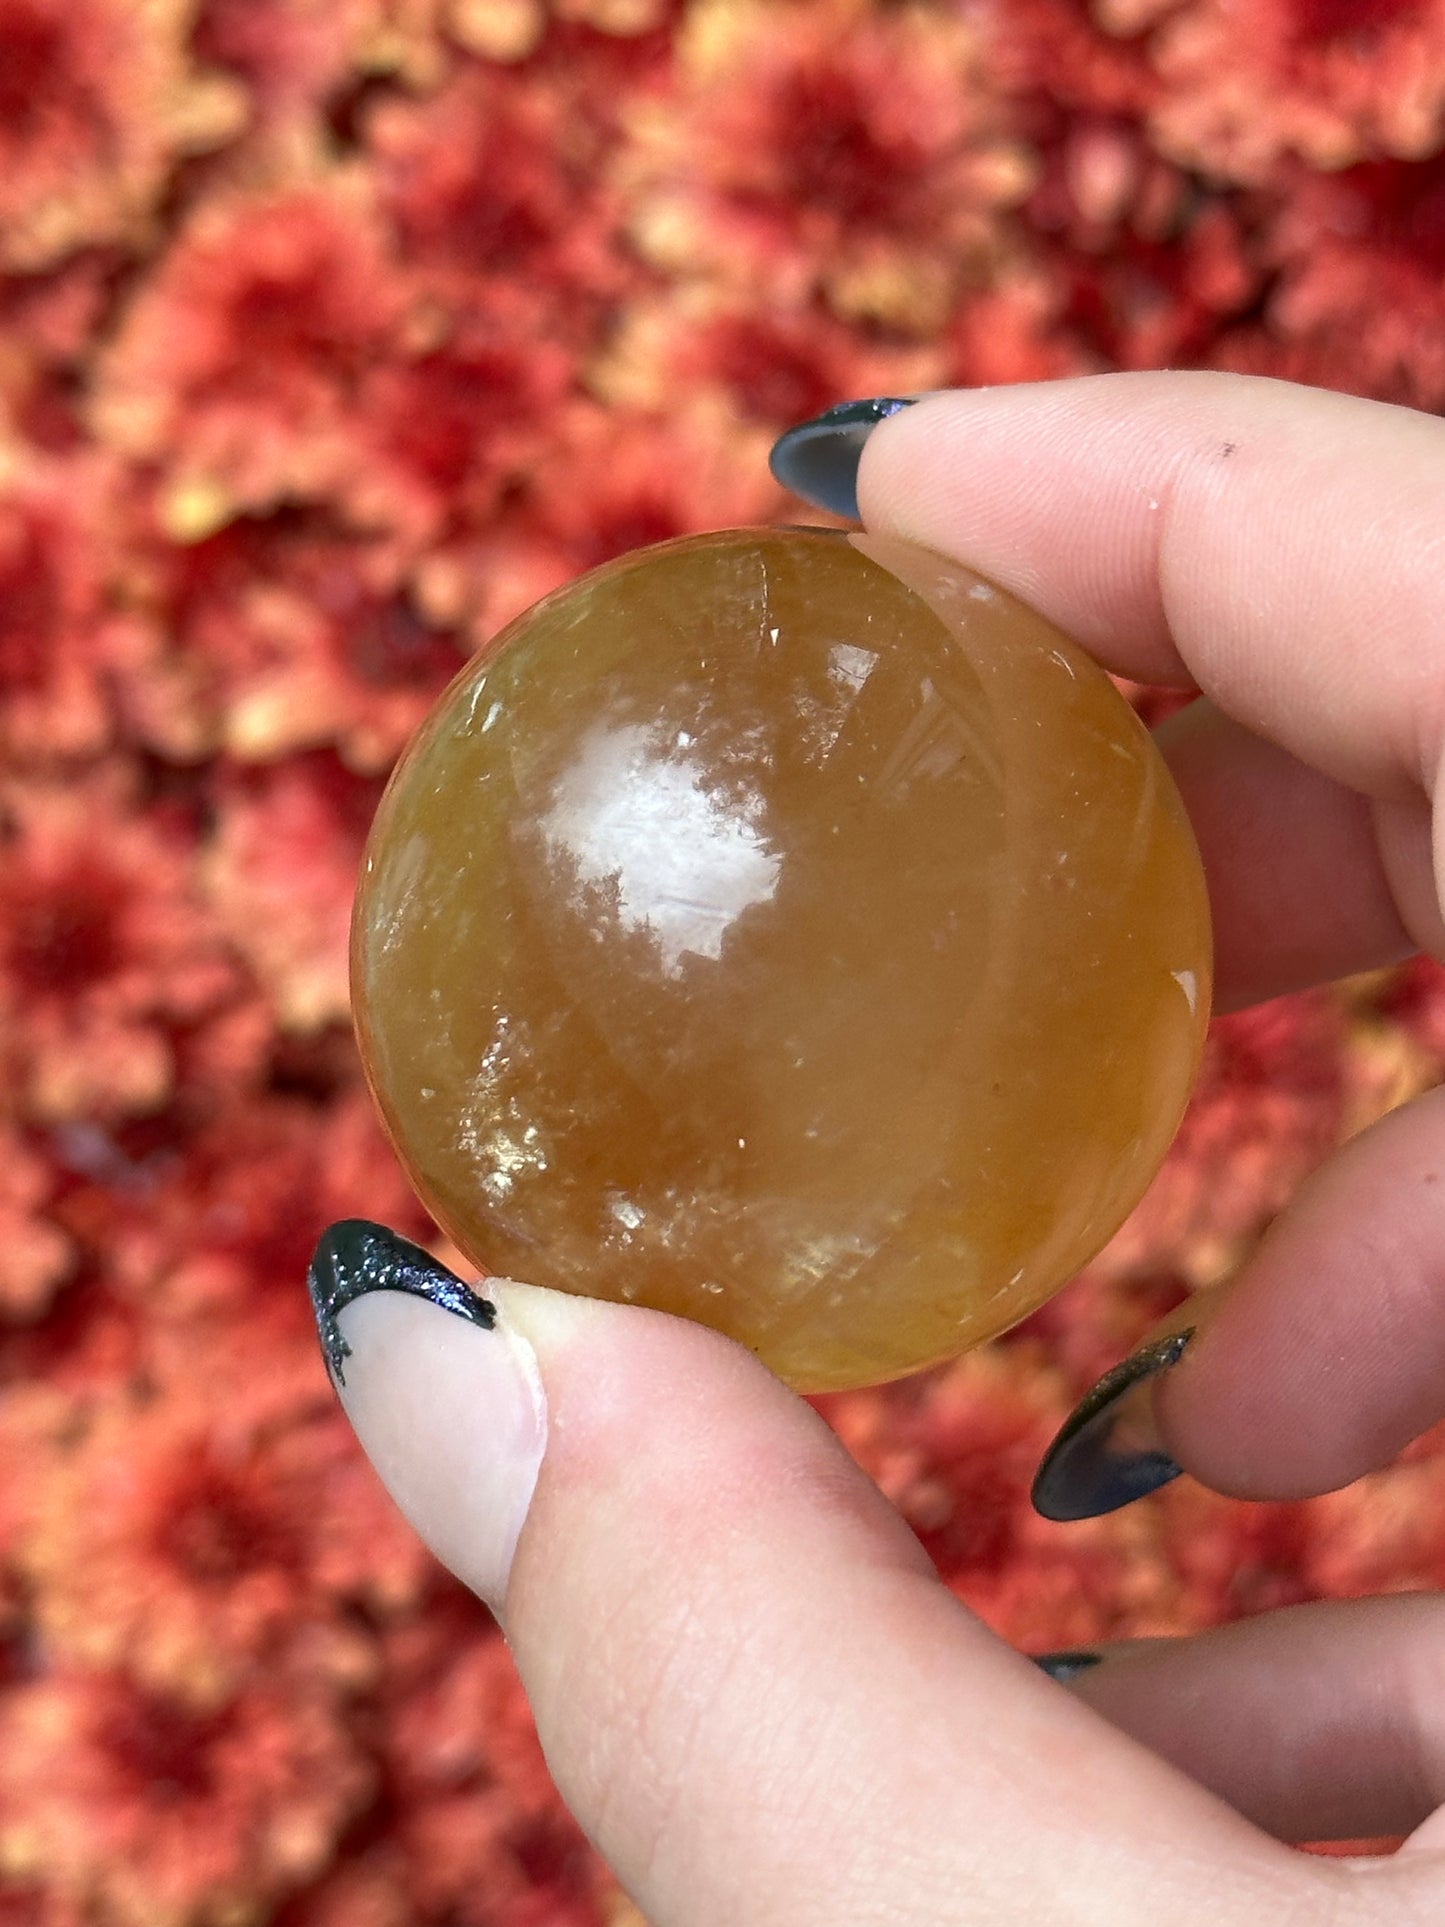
point(752, 1689)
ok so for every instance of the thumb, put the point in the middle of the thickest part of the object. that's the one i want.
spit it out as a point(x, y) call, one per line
point(752, 1690)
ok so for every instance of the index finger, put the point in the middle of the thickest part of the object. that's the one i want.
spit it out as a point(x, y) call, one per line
point(1277, 547)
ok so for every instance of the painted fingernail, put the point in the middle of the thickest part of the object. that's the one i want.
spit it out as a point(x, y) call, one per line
point(1067, 1666)
point(356, 1257)
point(819, 459)
point(1105, 1455)
point(450, 1410)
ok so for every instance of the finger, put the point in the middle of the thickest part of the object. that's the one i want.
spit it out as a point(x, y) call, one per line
point(1317, 1363)
point(1326, 1355)
point(1277, 547)
point(1306, 878)
point(1318, 1722)
point(752, 1690)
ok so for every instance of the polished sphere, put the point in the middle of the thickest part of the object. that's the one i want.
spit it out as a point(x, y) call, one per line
point(788, 929)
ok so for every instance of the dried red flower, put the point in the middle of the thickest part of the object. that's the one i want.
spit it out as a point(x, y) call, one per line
point(281, 873)
point(781, 163)
point(292, 55)
point(98, 102)
point(765, 365)
point(494, 186)
point(1256, 348)
point(1234, 1560)
point(38, 1254)
point(1061, 58)
point(62, 639)
point(197, 1542)
point(223, 1251)
point(103, 946)
point(138, 1808)
point(1246, 82)
point(48, 323)
point(286, 632)
point(454, 426)
point(1014, 331)
point(956, 1452)
point(366, 1889)
point(1147, 272)
point(237, 368)
point(1384, 1533)
point(1359, 256)
point(1269, 1106)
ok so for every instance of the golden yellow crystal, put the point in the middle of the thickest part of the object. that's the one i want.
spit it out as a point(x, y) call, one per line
point(788, 929)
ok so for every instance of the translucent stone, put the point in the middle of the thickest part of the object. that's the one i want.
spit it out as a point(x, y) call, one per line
point(787, 929)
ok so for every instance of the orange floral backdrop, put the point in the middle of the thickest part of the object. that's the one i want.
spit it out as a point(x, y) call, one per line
point(332, 332)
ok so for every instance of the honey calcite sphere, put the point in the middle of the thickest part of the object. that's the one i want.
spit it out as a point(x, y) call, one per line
point(788, 929)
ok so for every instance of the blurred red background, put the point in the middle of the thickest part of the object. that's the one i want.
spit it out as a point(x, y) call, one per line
point(332, 332)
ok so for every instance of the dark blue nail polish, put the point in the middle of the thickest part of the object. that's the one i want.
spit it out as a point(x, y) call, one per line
point(819, 459)
point(1067, 1666)
point(355, 1257)
point(1086, 1471)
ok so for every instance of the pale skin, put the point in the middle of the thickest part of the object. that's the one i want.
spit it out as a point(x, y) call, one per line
point(752, 1689)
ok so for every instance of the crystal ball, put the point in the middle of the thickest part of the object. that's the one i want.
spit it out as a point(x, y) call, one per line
point(788, 929)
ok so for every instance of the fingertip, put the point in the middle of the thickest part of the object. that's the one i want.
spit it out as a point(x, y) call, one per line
point(1033, 485)
point(453, 1417)
point(1202, 529)
point(1325, 1356)
point(459, 1413)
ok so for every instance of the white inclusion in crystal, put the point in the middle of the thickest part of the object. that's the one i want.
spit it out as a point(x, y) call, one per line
point(492, 1128)
point(983, 592)
point(495, 1054)
point(819, 723)
point(1189, 984)
point(850, 665)
point(685, 860)
point(627, 1213)
point(808, 1264)
point(506, 1156)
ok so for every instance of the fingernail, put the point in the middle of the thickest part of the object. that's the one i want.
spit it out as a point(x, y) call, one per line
point(1067, 1666)
point(356, 1256)
point(819, 459)
point(1106, 1454)
point(449, 1408)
